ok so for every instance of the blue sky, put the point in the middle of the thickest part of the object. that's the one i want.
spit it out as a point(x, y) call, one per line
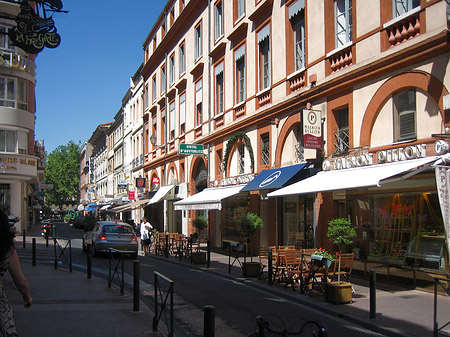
point(81, 83)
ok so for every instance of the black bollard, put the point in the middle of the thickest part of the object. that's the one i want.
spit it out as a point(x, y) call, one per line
point(167, 245)
point(24, 236)
point(136, 277)
point(209, 321)
point(34, 251)
point(269, 267)
point(373, 294)
point(208, 253)
point(89, 260)
point(46, 237)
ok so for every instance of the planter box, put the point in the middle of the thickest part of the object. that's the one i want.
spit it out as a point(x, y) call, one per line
point(339, 292)
point(251, 269)
point(199, 257)
point(321, 261)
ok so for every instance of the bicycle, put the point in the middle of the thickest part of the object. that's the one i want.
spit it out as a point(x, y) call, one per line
point(271, 328)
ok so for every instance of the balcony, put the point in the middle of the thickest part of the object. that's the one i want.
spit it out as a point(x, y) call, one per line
point(263, 97)
point(403, 29)
point(297, 81)
point(341, 59)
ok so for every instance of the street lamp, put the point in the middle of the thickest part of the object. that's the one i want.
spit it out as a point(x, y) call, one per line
point(153, 142)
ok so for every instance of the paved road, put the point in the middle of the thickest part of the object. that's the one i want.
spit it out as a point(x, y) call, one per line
point(237, 304)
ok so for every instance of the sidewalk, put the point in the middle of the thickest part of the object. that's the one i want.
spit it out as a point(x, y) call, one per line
point(68, 304)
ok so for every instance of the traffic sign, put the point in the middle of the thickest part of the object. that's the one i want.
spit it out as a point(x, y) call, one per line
point(195, 149)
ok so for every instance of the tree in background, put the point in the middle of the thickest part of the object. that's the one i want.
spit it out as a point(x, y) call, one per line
point(63, 171)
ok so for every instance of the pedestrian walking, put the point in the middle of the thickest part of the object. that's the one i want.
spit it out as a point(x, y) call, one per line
point(9, 261)
point(146, 228)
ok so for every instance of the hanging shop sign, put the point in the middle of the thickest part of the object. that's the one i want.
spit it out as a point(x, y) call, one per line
point(33, 32)
point(155, 181)
point(312, 129)
point(122, 184)
point(131, 195)
point(442, 183)
point(140, 182)
point(187, 149)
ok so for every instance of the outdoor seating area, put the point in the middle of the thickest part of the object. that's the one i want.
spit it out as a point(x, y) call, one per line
point(172, 244)
point(302, 270)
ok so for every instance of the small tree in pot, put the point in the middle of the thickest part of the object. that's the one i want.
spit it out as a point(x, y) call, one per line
point(341, 233)
point(200, 223)
point(250, 224)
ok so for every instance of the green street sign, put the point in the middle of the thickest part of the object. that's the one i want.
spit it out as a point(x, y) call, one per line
point(195, 149)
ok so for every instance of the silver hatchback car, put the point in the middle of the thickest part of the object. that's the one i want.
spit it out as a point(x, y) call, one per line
point(106, 235)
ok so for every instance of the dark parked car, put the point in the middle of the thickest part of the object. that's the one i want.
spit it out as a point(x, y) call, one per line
point(116, 235)
point(80, 222)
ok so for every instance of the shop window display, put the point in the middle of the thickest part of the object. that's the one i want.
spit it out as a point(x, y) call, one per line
point(404, 228)
point(298, 217)
point(236, 208)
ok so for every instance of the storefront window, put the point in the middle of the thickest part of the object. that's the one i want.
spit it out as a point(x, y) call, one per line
point(236, 208)
point(298, 219)
point(404, 228)
point(5, 198)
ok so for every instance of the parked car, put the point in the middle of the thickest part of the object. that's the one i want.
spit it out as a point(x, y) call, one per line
point(115, 235)
point(79, 222)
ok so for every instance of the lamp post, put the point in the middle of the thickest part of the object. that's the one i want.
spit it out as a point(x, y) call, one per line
point(153, 142)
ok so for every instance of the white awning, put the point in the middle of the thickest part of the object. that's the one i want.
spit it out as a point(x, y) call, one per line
point(105, 207)
point(160, 194)
point(139, 203)
point(121, 208)
point(345, 179)
point(209, 198)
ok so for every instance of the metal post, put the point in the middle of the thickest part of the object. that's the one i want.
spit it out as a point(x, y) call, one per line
point(209, 321)
point(109, 269)
point(269, 267)
point(54, 248)
point(167, 245)
point(34, 251)
point(373, 294)
point(435, 323)
point(24, 237)
point(155, 318)
point(122, 283)
point(89, 260)
point(70, 255)
point(208, 253)
point(46, 237)
point(136, 276)
point(229, 258)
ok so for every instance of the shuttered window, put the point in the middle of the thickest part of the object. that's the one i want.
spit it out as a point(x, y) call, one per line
point(405, 115)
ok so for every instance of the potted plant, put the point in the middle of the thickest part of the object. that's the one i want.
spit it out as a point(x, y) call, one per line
point(322, 258)
point(200, 223)
point(341, 233)
point(250, 224)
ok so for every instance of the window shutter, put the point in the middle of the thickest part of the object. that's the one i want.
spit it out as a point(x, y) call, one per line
point(407, 125)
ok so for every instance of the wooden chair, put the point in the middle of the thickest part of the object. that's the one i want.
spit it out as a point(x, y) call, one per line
point(292, 263)
point(264, 258)
point(280, 268)
point(345, 269)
